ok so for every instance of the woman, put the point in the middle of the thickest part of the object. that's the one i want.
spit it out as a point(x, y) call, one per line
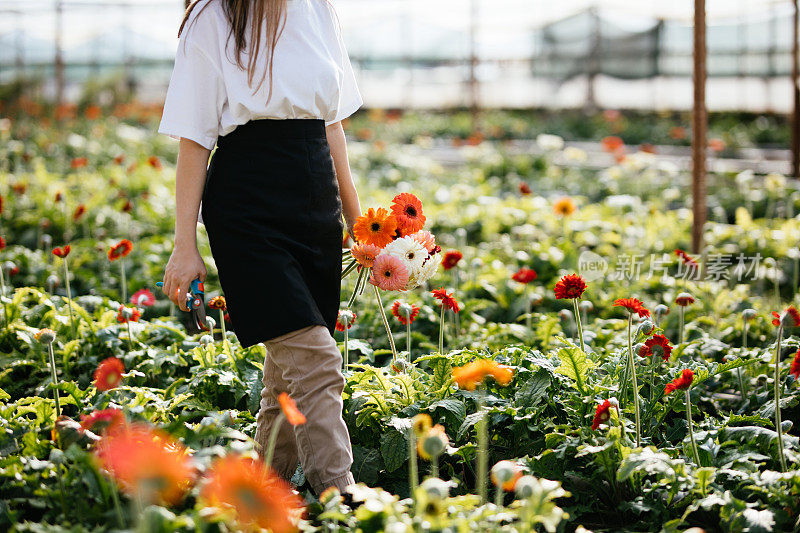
point(268, 82)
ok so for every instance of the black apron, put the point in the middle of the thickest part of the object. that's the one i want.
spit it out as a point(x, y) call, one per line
point(273, 215)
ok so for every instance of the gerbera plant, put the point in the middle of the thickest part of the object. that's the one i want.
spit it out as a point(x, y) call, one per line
point(684, 383)
point(790, 317)
point(63, 252)
point(219, 303)
point(447, 302)
point(108, 373)
point(47, 337)
point(119, 251)
point(683, 299)
point(394, 250)
point(126, 315)
point(344, 321)
point(405, 313)
point(633, 305)
point(572, 287)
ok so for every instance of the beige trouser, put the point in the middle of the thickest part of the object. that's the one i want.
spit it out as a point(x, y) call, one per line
point(306, 363)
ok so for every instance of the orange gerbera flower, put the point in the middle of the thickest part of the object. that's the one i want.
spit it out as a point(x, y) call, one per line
point(290, 410)
point(146, 462)
point(79, 211)
point(135, 314)
point(612, 144)
point(79, 162)
point(633, 305)
point(682, 382)
point(259, 497)
point(62, 252)
point(365, 254)
point(411, 309)
point(121, 249)
point(407, 210)
point(217, 302)
point(472, 374)
point(451, 259)
point(446, 298)
point(564, 206)
point(375, 227)
point(108, 374)
point(154, 162)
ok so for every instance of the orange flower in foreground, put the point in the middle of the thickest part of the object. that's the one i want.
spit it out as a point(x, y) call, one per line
point(472, 374)
point(258, 496)
point(108, 374)
point(682, 382)
point(407, 211)
point(448, 302)
point(121, 249)
point(290, 410)
point(375, 227)
point(146, 462)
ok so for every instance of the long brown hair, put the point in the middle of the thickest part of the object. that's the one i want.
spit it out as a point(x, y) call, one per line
point(252, 14)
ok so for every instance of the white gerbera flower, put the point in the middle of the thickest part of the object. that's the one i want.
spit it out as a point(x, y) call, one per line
point(409, 250)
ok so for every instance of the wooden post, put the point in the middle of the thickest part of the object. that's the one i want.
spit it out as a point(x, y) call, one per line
point(699, 123)
point(796, 93)
point(59, 59)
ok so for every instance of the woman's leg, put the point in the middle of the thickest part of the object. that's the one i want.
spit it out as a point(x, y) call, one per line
point(285, 458)
point(311, 363)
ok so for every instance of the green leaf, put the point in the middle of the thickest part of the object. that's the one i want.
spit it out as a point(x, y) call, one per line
point(574, 363)
point(533, 390)
point(646, 461)
point(452, 405)
point(394, 449)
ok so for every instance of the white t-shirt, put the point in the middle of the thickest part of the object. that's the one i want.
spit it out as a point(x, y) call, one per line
point(208, 94)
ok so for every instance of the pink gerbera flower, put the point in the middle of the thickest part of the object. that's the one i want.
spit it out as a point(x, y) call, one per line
point(389, 273)
point(365, 254)
point(425, 238)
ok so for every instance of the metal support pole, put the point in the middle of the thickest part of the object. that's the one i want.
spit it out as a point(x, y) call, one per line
point(699, 123)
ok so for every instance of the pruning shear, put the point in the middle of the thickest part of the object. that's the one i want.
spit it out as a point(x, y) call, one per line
point(197, 309)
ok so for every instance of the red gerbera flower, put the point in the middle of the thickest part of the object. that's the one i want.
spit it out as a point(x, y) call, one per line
point(633, 305)
point(62, 252)
point(656, 345)
point(570, 286)
point(2, 243)
point(143, 297)
point(154, 162)
point(791, 313)
point(345, 319)
point(448, 302)
point(407, 210)
point(601, 414)
point(59, 196)
point(451, 259)
point(135, 314)
point(795, 368)
point(524, 275)
point(79, 162)
point(108, 374)
point(401, 317)
point(121, 249)
point(684, 299)
point(104, 420)
point(682, 382)
point(524, 188)
point(79, 211)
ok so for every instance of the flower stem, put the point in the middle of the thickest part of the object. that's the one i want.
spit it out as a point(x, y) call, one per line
point(413, 476)
point(483, 444)
point(273, 438)
point(225, 345)
point(498, 496)
point(778, 428)
point(346, 352)
point(634, 383)
point(69, 298)
point(691, 430)
point(527, 309)
point(435, 466)
point(124, 280)
point(385, 323)
point(441, 333)
point(130, 337)
point(117, 507)
point(680, 326)
point(55, 378)
point(578, 321)
point(408, 338)
point(2, 296)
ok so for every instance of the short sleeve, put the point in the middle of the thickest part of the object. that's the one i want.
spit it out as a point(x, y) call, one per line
point(195, 96)
point(349, 96)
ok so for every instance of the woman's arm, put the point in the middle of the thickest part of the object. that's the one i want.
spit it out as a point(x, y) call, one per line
point(351, 208)
point(185, 264)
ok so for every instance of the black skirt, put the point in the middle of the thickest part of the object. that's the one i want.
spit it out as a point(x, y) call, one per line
point(273, 214)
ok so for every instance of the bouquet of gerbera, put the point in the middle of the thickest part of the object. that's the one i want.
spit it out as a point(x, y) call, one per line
point(392, 252)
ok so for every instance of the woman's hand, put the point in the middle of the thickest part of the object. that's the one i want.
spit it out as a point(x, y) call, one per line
point(184, 266)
